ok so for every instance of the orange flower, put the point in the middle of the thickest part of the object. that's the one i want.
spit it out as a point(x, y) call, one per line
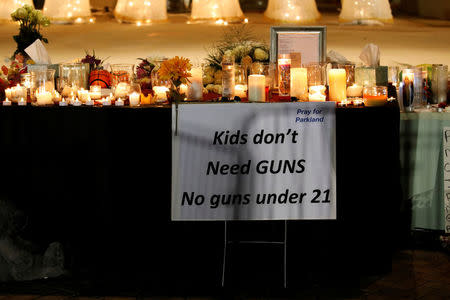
point(175, 69)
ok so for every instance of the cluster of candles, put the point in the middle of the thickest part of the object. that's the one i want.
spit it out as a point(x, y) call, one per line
point(311, 82)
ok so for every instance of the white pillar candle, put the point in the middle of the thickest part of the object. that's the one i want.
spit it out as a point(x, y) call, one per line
point(6, 102)
point(160, 93)
point(119, 102)
point(355, 90)
point(317, 93)
point(240, 90)
point(44, 98)
point(22, 102)
point(299, 83)
point(195, 87)
point(257, 88)
point(8, 93)
point(337, 81)
point(135, 99)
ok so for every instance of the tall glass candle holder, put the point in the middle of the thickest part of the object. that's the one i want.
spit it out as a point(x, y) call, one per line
point(439, 83)
point(406, 90)
point(241, 87)
point(365, 76)
point(349, 71)
point(419, 84)
point(284, 75)
point(122, 77)
point(317, 78)
point(73, 77)
point(228, 76)
point(43, 87)
point(337, 80)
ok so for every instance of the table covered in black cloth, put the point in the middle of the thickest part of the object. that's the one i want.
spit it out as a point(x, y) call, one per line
point(98, 180)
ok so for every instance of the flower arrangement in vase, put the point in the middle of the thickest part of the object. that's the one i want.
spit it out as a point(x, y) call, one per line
point(177, 71)
point(239, 42)
point(30, 21)
point(97, 75)
point(144, 74)
point(10, 76)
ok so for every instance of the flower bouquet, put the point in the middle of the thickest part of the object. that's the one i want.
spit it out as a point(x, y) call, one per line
point(10, 76)
point(97, 75)
point(144, 74)
point(239, 42)
point(177, 71)
point(30, 21)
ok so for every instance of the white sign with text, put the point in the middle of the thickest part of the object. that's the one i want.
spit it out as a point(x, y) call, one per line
point(248, 161)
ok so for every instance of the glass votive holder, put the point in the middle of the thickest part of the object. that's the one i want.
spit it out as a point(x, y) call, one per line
point(365, 76)
point(439, 83)
point(299, 83)
point(317, 74)
point(393, 75)
point(349, 71)
point(74, 76)
point(135, 95)
point(42, 86)
point(95, 92)
point(375, 95)
point(122, 73)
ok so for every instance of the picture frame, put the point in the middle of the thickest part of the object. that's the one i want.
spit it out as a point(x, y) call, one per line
point(311, 41)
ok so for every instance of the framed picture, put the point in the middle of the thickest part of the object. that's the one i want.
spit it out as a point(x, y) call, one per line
point(310, 41)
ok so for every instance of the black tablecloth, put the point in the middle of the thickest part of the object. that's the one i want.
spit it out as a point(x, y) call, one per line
point(98, 180)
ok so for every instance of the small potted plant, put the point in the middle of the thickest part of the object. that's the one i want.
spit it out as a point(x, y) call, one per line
point(30, 21)
point(98, 76)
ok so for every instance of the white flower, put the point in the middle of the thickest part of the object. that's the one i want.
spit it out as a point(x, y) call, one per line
point(260, 54)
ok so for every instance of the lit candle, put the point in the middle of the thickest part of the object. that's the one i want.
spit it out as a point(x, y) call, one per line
point(8, 93)
point(122, 90)
point(67, 91)
point(95, 92)
point(44, 98)
point(184, 89)
point(89, 101)
point(135, 99)
point(257, 88)
point(299, 83)
point(76, 102)
point(63, 102)
point(195, 87)
point(119, 102)
point(83, 95)
point(106, 102)
point(240, 90)
point(355, 91)
point(7, 102)
point(317, 93)
point(22, 102)
point(284, 74)
point(18, 92)
point(337, 80)
point(375, 96)
point(160, 93)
